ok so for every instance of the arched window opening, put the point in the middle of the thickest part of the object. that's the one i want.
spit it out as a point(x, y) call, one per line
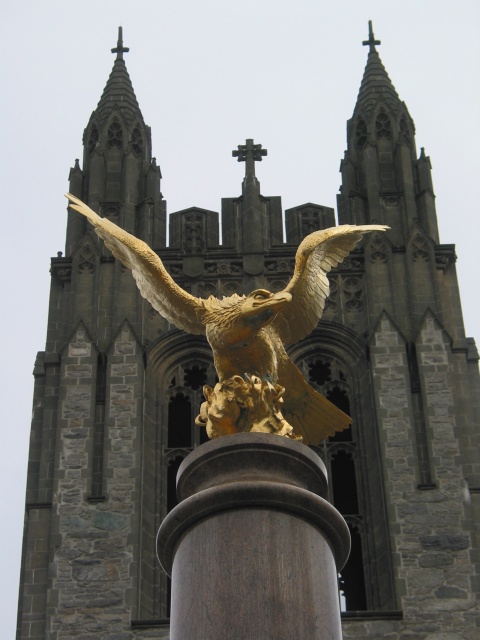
point(366, 582)
point(185, 390)
point(332, 377)
point(360, 134)
point(92, 140)
point(344, 483)
point(179, 422)
point(115, 135)
point(352, 577)
point(183, 384)
point(137, 142)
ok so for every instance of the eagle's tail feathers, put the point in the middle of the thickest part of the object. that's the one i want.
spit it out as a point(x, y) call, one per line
point(311, 415)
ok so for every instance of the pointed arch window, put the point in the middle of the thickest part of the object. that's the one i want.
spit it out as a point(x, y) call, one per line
point(137, 142)
point(115, 135)
point(185, 394)
point(93, 139)
point(383, 126)
point(177, 370)
point(360, 134)
point(330, 377)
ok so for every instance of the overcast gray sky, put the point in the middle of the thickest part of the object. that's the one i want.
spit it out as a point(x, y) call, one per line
point(208, 74)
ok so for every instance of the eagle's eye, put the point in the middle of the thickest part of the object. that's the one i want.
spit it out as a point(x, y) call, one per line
point(260, 294)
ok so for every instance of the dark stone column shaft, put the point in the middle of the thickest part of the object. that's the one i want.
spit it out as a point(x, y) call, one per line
point(252, 549)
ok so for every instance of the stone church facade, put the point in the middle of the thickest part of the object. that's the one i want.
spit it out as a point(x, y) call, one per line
point(117, 388)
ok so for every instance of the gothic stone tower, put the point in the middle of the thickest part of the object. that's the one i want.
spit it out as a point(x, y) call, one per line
point(117, 388)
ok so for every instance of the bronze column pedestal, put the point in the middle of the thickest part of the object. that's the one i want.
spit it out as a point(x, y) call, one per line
point(253, 548)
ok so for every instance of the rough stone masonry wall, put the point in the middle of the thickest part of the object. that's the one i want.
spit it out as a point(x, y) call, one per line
point(446, 544)
point(431, 548)
point(92, 570)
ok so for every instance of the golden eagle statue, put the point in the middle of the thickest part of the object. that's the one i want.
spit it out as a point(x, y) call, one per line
point(259, 389)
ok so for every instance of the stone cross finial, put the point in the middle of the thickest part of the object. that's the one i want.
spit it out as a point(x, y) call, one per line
point(120, 49)
point(371, 42)
point(249, 153)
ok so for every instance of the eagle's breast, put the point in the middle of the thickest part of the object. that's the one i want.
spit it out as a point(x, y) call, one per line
point(254, 354)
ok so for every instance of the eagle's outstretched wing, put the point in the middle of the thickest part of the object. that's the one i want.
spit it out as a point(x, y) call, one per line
point(317, 254)
point(155, 284)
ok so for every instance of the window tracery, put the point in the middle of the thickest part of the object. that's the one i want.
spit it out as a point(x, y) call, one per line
point(320, 372)
point(86, 260)
point(92, 140)
point(195, 377)
point(335, 377)
point(353, 293)
point(137, 141)
point(185, 395)
point(419, 248)
point(184, 391)
point(383, 126)
point(115, 135)
point(361, 134)
point(340, 455)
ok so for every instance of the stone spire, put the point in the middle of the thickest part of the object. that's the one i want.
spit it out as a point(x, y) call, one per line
point(119, 178)
point(383, 181)
point(118, 91)
point(375, 82)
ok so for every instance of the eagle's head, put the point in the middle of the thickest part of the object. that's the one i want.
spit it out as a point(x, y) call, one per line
point(239, 317)
point(261, 306)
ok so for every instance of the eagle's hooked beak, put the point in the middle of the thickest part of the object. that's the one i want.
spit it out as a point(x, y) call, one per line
point(262, 302)
point(281, 298)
